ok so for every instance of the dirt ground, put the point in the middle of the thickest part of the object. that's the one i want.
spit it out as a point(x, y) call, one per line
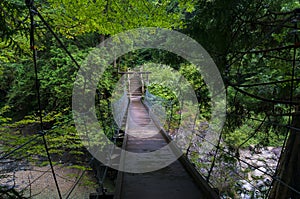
point(38, 182)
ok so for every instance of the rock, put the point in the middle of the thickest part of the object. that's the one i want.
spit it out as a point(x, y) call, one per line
point(276, 151)
point(258, 163)
point(260, 183)
point(268, 181)
point(267, 155)
point(258, 149)
point(269, 148)
point(258, 173)
point(246, 185)
point(246, 154)
point(251, 147)
point(257, 194)
point(245, 196)
point(249, 176)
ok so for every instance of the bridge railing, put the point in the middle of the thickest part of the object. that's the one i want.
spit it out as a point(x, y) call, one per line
point(119, 109)
point(221, 166)
point(157, 107)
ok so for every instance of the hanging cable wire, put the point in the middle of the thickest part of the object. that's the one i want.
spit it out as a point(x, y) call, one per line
point(253, 134)
point(264, 99)
point(296, 40)
point(19, 147)
point(29, 4)
point(239, 56)
point(35, 11)
point(251, 166)
point(75, 184)
point(271, 123)
point(214, 157)
point(266, 83)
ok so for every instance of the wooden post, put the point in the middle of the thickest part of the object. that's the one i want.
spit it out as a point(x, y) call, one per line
point(133, 73)
point(289, 165)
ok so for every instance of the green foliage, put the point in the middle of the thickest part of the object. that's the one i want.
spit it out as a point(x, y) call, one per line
point(12, 14)
point(193, 76)
point(226, 29)
point(290, 5)
point(161, 91)
point(172, 86)
point(251, 132)
point(82, 16)
point(62, 139)
point(58, 75)
point(4, 120)
point(169, 101)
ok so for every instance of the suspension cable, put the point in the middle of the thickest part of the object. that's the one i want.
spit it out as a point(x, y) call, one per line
point(258, 42)
point(277, 171)
point(272, 123)
point(262, 98)
point(29, 4)
point(35, 11)
point(254, 133)
point(266, 83)
point(19, 147)
point(250, 165)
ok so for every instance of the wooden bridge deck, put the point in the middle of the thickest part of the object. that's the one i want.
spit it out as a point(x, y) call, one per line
point(173, 181)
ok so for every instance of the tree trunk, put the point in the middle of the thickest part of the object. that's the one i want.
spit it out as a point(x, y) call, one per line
point(289, 168)
point(102, 38)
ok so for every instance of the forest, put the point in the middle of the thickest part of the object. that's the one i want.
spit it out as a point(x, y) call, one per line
point(254, 45)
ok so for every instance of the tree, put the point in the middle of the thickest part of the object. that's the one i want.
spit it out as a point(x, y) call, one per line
point(289, 167)
point(252, 44)
point(111, 17)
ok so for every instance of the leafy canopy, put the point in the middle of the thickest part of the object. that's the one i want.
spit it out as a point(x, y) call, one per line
point(111, 17)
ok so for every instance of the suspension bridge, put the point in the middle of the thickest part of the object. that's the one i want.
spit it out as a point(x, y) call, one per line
point(144, 133)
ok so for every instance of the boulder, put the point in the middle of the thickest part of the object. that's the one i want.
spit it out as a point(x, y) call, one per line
point(258, 173)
